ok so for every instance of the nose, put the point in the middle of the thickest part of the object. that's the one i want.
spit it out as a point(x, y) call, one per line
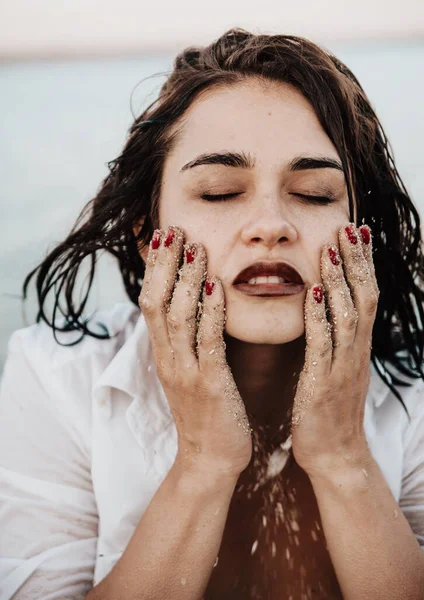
point(269, 224)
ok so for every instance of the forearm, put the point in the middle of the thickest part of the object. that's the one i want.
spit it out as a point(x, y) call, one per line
point(175, 545)
point(373, 549)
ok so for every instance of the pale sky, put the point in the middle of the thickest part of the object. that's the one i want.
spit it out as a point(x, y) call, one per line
point(61, 28)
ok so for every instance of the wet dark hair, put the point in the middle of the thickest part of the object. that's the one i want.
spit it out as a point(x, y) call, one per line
point(132, 188)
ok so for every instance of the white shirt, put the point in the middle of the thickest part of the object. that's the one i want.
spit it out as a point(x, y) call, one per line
point(87, 436)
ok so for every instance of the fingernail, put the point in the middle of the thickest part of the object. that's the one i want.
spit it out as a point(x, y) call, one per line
point(156, 240)
point(169, 238)
point(190, 254)
point(365, 234)
point(334, 255)
point(351, 234)
point(209, 285)
point(317, 293)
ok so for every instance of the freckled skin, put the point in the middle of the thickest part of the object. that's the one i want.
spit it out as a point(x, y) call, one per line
point(267, 222)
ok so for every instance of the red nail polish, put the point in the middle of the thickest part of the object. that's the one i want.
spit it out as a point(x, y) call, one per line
point(156, 240)
point(169, 238)
point(190, 254)
point(317, 293)
point(334, 255)
point(365, 234)
point(351, 234)
point(209, 285)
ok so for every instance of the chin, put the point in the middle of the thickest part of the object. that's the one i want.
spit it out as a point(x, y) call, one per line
point(265, 321)
point(265, 329)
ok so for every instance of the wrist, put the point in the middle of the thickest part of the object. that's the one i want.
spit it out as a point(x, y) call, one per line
point(345, 467)
point(203, 476)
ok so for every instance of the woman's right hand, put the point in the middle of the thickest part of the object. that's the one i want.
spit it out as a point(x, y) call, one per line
point(186, 317)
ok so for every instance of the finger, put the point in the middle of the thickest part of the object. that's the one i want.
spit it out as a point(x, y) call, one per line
point(360, 281)
point(211, 349)
point(182, 312)
point(154, 244)
point(163, 259)
point(367, 249)
point(318, 353)
point(210, 337)
point(343, 317)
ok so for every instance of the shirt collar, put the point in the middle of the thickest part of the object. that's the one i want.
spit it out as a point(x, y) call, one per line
point(133, 371)
point(125, 370)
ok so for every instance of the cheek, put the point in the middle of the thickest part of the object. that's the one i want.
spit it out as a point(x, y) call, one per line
point(199, 223)
point(326, 221)
point(318, 234)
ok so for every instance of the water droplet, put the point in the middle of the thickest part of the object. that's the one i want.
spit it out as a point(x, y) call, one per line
point(395, 513)
point(276, 463)
point(212, 351)
point(294, 525)
point(264, 520)
point(216, 562)
point(255, 545)
point(273, 549)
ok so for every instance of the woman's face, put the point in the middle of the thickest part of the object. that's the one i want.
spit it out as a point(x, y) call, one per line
point(272, 126)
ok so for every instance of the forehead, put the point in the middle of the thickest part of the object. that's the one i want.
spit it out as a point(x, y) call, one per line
point(273, 121)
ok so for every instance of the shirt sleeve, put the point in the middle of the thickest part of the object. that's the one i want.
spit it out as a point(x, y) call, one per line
point(48, 515)
point(412, 493)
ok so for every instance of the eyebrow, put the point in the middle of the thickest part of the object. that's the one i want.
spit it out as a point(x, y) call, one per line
point(304, 163)
point(246, 161)
point(228, 159)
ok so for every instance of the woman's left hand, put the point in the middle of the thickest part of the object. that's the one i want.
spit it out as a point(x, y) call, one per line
point(328, 411)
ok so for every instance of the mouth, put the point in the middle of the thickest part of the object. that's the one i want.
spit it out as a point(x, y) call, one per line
point(269, 279)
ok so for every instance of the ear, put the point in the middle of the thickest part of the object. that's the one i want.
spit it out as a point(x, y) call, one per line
point(136, 230)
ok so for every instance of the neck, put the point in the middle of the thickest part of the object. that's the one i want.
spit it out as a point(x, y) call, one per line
point(266, 377)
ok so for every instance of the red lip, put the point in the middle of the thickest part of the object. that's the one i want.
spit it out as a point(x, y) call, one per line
point(280, 269)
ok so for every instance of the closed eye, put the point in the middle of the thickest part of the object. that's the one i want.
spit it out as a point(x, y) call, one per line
point(217, 197)
point(314, 199)
point(306, 197)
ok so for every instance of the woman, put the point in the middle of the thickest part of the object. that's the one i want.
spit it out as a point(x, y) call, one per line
point(258, 431)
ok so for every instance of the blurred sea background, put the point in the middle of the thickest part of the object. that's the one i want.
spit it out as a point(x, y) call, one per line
point(63, 120)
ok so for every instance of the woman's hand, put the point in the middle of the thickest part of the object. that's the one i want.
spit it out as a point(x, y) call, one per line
point(186, 316)
point(328, 410)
